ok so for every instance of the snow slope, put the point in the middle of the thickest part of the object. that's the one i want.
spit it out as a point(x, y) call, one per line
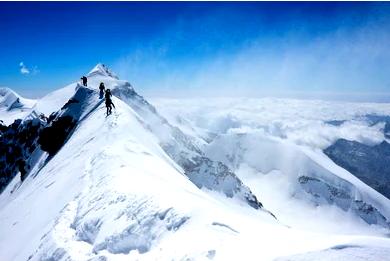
point(183, 149)
point(109, 191)
point(113, 195)
point(51, 189)
point(132, 186)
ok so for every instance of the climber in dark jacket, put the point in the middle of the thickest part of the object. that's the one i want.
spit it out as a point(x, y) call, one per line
point(109, 103)
point(84, 80)
point(101, 88)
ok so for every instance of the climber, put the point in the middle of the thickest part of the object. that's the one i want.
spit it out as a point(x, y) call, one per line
point(109, 103)
point(101, 88)
point(84, 79)
point(43, 117)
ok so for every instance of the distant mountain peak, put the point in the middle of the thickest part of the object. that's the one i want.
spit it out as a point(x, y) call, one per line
point(102, 69)
point(5, 91)
point(9, 100)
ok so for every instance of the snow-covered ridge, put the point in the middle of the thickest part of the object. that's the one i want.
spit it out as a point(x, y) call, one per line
point(185, 151)
point(133, 132)
point(135, 186)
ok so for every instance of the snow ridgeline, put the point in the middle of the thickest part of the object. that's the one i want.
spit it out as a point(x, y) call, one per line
point(181, 148)
point(109, 184)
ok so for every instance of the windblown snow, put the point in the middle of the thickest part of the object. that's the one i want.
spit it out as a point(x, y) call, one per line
point(204, 180)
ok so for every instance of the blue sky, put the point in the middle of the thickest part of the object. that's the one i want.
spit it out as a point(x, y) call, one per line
point(340, 50)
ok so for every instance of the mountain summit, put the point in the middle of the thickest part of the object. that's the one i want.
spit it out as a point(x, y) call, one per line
point(103, 70)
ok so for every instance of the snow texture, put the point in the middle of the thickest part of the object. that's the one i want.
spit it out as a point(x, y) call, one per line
point(140, 185)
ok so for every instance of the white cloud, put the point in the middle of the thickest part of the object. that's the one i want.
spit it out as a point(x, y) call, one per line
point(26, 70)
point(303, 122)
point(23, 68)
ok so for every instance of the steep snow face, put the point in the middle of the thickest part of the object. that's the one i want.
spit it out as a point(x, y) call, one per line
point(13, 106)
point(183, 149)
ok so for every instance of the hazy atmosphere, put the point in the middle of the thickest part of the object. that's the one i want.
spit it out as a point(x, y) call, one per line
point(306, 50)
point(194, 131)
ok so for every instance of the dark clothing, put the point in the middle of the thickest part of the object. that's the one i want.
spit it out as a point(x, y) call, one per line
point(107, 94)
point(109, 103)
point(101, 88)
point(84, 79)
point(109, 106)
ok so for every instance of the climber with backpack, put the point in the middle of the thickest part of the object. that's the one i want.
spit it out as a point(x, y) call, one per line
point(101, 88)
point(109, 103)
point(84, 80)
